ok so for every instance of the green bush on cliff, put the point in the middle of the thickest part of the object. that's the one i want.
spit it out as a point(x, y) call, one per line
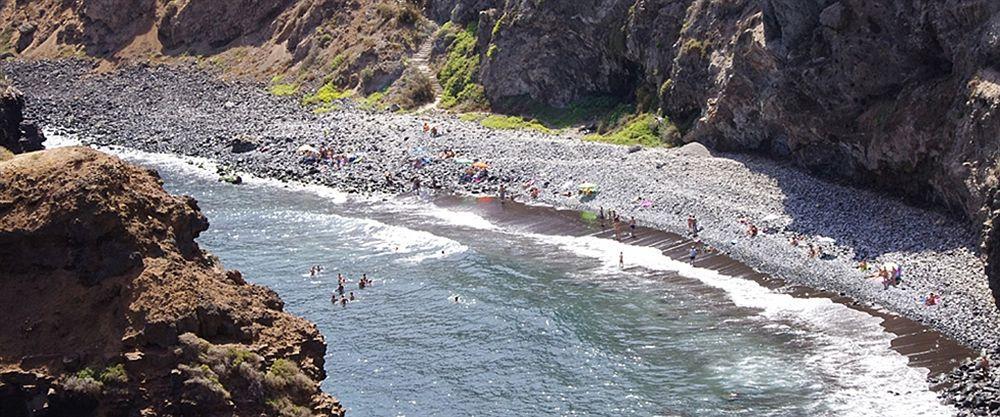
point(326, 94)
point(114, 375)
point(459, 74)
point(643, 129)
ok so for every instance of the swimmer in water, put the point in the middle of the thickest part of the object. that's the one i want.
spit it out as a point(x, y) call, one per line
point(352, 296)
point(333, 298)
point(456, 298)
point(340, 289)
point(343, 301)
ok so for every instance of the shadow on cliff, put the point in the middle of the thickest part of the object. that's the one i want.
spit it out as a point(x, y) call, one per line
point(871, 222)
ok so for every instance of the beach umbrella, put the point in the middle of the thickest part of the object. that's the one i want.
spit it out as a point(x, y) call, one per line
point(588, 187)
point(462, 161)
point(827, 240)
point(480, 165)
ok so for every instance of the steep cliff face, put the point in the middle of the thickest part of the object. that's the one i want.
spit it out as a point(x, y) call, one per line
point(901, 96)
point(311, 42)
point(110, 307)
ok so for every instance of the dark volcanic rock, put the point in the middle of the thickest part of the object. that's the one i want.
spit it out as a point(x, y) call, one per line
point(16, 135)
point(110, 307)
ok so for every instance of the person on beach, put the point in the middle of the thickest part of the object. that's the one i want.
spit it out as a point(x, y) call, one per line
point(932, 300)
point(631, 226)
point(813, 250)
point(692, 225)
point(600, 216)
point(427, 128)
point(621, 260)
point(984, 363)
point(693, 253)
point(535, 192)
point(863, 265)
point(751, 230)
point(503, 193)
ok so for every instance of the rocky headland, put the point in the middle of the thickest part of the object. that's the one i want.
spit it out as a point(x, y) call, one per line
point(111, 309)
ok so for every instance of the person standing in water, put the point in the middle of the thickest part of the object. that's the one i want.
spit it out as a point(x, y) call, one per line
point(352, 296)
point(631, 226)
point(503, 193)
point(693, 253)
point(621, 260)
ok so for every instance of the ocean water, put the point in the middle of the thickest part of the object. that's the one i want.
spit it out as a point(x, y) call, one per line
point(546, 324)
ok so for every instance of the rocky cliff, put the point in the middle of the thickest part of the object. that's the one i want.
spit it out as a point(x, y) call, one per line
point(110, 308)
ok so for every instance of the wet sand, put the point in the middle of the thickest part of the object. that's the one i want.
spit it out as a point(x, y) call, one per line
point(923, 346)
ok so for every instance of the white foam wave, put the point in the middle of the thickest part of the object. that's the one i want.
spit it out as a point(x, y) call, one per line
point(849, 344)
point(380, 238)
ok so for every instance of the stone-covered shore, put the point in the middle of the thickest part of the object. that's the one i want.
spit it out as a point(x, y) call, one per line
point(184, 111)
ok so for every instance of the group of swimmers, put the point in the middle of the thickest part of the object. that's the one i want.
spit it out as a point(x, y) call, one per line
point(342, 281)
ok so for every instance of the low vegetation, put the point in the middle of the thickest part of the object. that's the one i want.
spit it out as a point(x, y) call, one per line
point(644, 129)
point(459, 75)
point(326, 94)
point(498, 121)
point(284, 90)
point(411, 91)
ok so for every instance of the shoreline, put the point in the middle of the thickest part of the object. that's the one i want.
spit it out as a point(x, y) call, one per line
point(184, 112)
point(924, 347)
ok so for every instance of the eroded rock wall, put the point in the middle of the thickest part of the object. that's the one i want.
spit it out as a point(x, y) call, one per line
point(110, 307)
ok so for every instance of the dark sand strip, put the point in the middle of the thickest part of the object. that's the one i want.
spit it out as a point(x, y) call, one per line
point(923, 346)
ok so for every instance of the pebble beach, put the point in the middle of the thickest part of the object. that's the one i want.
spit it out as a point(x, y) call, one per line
point(189, 112)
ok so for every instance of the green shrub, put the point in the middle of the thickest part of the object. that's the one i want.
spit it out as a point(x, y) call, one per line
point(282, 90)
point(694, 46)
point(497, 121)
point(337, 62)
point(458, 77)
point(284, 377)
point(642, 129)
point(83, 385)
point(411, 90)
point(283, 407)
point(5, 154)
point(114, 375)
point(326, 95)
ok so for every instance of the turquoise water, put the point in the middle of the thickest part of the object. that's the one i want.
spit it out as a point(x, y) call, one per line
point(546, 324)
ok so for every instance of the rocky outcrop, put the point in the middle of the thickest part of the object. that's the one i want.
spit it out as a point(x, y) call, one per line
point(110, 307)
point(16, 134)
